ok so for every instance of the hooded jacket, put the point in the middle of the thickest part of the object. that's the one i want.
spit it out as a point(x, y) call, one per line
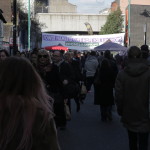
point(132, 95)
point(91, 64)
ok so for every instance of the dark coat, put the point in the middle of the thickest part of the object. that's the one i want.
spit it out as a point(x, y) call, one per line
point(103, 91)
point(65, 72)
point(132, 95)
point(46, 139)
point(53, 81)
point(76, 70)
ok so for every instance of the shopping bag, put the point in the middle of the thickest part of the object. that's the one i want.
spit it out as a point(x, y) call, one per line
point(67, 112)
point(83, 89)
point(71, 90)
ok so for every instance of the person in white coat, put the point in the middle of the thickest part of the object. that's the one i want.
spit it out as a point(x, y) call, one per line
point(90, 67)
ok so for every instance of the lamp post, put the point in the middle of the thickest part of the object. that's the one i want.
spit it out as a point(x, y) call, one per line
point(14, 26)
point(129, 11)
point(146, 14)
point(145, 31)
point(29, 25)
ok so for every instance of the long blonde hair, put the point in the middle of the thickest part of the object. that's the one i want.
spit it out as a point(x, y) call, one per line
point(22, 93)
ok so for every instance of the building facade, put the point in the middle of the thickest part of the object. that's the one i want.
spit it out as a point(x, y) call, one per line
point(124, 3)
point(139, 35)
point(71, 23)
point(6, 6)
point(2, 21)
point(62, 18)
point(61, 6)
point(22, 24)
point(135, 22)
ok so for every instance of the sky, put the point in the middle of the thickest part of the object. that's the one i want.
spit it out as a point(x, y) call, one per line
point(91, 6)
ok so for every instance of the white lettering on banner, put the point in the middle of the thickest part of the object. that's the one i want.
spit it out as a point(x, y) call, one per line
point(86, 42)
point(48, 38)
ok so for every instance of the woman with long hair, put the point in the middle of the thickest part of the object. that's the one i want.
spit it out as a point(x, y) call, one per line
point(51, 78)
point(43, 62)
point(26, 116)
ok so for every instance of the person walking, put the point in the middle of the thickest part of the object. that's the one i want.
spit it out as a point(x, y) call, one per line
point(145, 53)
point(132, 99)
point(76, 78)
point(64, 74)
point(103, 87)
point(26, 118)
point(43, 64)
point(90, 67)
point(50, 76)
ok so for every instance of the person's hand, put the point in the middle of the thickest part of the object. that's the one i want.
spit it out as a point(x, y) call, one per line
point(65, 82)
point(47, 68)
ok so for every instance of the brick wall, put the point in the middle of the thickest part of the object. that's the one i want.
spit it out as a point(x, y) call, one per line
point(124, 3)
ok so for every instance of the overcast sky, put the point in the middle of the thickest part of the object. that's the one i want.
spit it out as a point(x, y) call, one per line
point(91, 6)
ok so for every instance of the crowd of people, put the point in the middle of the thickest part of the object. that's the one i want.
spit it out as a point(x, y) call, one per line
point(35, 87)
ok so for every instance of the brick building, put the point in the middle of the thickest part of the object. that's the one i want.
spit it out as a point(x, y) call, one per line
point(135, 22)
point(124, 3)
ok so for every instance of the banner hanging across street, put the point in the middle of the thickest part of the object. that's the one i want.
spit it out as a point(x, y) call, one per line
point(82, 42)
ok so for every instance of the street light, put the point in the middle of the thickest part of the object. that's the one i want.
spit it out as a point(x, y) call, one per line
point(146, 14)
point(129, 9)
point(14, 26)
point(29, 25)
point(89, 28)
point(145, 31)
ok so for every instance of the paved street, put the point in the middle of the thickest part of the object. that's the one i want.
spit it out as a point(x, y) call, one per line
point(87, 132)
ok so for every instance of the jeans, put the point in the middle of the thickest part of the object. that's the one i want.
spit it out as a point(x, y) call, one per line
point(106, 112)
point(138, 141)
point(89, 82)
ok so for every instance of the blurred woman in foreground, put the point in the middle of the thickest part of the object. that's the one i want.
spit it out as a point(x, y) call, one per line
point(26, 118)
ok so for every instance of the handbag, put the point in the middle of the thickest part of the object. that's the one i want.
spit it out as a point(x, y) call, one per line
point(67, 112)
point(83, 89)
point(71, 90)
